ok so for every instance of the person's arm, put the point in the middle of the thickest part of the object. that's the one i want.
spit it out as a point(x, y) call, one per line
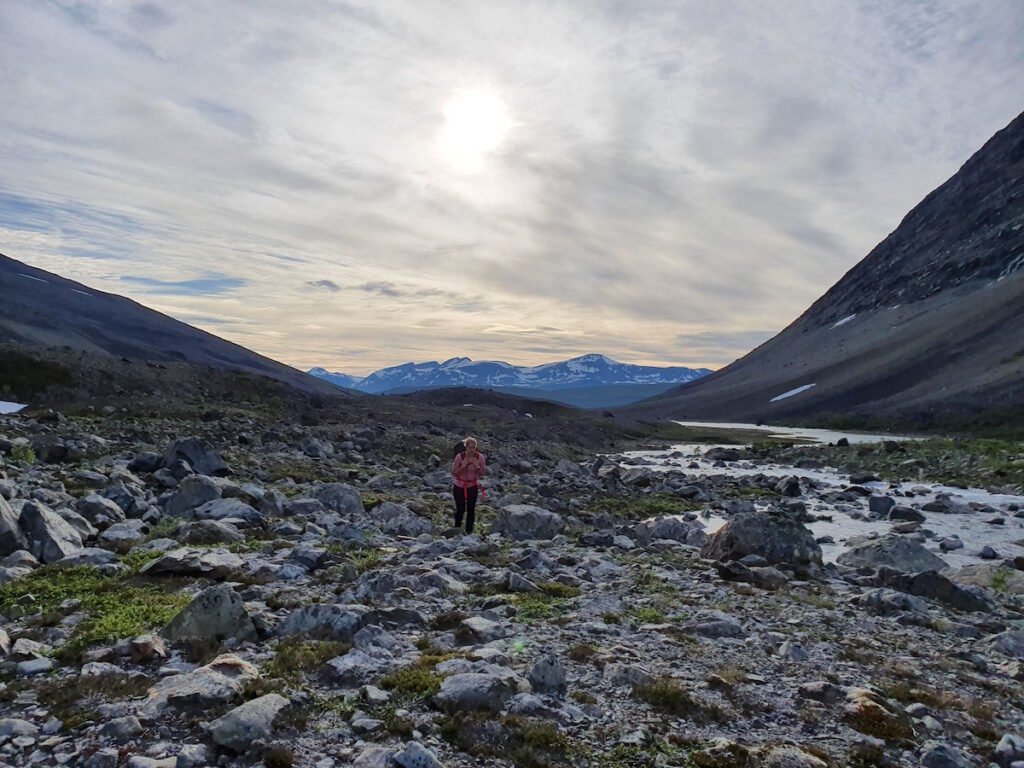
point(481, 465)
point(458, 466)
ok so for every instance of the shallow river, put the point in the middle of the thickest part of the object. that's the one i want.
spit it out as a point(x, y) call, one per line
point(972, 528)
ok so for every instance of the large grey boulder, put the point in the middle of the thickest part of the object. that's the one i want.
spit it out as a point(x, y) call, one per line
point(937, 587)
point(1009, 643)
point(214, 564)
point(676, 529)
point(100, 511)
point(336, 622)
point(192, 492)
point(524, 522)
point(11, 536)
point(779, 540)
point(472, 691)
point(252, 721)
point(215, 613)
point(216, 684)
point(50, 536)
point(936, 754)
point(229, 509)
point(895, 552)
point(209, 532)
point(1009, 749)
point(547, 675)
point(339, 497)
point(415, 755)
point(399, 520)
point(199, 454)
point(121, 537)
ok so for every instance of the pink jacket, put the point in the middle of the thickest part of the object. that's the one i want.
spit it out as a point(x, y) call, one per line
point(468, 472)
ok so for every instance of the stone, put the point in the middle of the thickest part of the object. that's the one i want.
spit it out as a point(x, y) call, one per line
point(547, 675)
point(375, 757)
point(100, 511)
point(252, 721)
point(791, 757)
point(415, 755)
point(335, 622)
point(935, 754)
point(475, 691)
point(214, 564)
point(891, 551)
point(627, 675)
point(206, 532)
point(190, 494)
point(121, 729)
point(339, 497)
point(788, 487)
point(12, 538)
point(216, 613)
point(906, 514)
point(13, 727)
point(881, 505)
point(1009, 749)
point(399, 520)
point(523, 522)
point(229, 509)
point(776, 539)
point(714, 624)
point(937, 587)
point(121, 537)
point(1009, 643)
point(146, 648)
point(216, 684)
point(477, 629)
point(50, 536)
point(199, 454)
point(357, 667)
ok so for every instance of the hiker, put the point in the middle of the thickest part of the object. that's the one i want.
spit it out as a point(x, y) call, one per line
point(468, 468)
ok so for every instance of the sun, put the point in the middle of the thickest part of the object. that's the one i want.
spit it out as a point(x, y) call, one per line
point(476, 122)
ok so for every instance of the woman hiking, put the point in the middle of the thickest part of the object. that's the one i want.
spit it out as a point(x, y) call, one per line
point(468, 468)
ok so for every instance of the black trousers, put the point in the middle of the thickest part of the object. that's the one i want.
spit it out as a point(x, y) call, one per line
point(465, 504)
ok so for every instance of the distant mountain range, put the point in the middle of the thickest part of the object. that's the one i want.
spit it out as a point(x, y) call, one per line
point(564, 381)
point(926, 331)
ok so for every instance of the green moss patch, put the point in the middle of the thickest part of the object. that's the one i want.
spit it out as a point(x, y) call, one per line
point(671, 697)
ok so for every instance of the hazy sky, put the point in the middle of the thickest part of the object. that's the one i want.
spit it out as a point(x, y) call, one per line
point(356, 185)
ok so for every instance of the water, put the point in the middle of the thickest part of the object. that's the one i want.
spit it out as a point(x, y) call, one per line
point(6, 407)
point(805, 434)
point(845, 523)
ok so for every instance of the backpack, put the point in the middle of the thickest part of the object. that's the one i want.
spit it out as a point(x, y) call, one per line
point(460, 447)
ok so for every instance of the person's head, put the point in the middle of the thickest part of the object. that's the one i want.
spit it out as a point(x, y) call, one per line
point(470, 443)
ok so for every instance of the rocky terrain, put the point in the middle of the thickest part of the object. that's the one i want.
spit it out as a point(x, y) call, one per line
point(923, 332)
point(235, 587)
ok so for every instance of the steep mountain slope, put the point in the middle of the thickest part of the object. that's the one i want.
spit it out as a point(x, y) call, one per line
point(584, 371)
point(39, 309)
point(927, 330)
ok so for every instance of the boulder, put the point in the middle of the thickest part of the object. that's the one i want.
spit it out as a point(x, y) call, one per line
point(214, 564)
point(881, 505)
point(676, 529)
point(415, 755)
point(1009, 749)
point(216, 684)
point(475, 691)
point(523, 522)
point(339, 497)
point(547, 675)
point(199, 454)
point(905, 514)
point(252, 721)
point(777, 539)
point(122, 536)
point(216, 613)
point(50, 536)
point(207, 532)
point(891, 551)
point(192, 492)
point(399, 520)
point(935, 754)
point(790, 757)
point(100, 511)
point(1009, 643)
point(937, 587)
point(336, 622)
point(12, 538)
point(229, 509)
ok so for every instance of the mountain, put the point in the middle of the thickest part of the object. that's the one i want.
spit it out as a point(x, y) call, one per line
point(587, 371)
point(927, 330)
point(41, 310)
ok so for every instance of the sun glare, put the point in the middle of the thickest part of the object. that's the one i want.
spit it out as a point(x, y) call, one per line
point(475, 124)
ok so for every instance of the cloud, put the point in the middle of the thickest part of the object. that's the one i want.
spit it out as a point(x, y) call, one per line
point(208, 286)
point(674, 170)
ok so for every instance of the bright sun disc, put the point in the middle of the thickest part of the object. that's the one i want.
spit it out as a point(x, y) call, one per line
point(475, 124)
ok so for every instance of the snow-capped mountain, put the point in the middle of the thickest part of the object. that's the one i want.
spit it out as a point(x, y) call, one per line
point(579, 372)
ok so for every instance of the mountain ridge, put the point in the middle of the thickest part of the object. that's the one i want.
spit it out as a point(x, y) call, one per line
point(584, 371)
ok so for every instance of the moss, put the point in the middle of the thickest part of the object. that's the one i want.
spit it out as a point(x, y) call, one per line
point(583, 697)
point(1000, 580)
point(530, 608)
point(671, 697)
point(881, 723)
point(447, 620)
point(115, 605)
point(582, 652)
point(557, 589)
point(23, 454)
point(363, 558)
point(75, 705)
point(526, 742)
point(646, 614)
point(643, 507)
point(293, 656)
point(279, 757)
point(412, 682)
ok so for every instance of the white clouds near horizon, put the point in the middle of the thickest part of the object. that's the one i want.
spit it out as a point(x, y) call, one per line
point(675, 181)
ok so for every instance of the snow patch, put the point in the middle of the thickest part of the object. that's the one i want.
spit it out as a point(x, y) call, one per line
point(845, 320)
point(75, 290)
point(6, 407)
point(792, 392)
point(37, 279)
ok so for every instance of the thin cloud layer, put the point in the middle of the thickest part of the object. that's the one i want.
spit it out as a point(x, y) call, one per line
point(356, 184)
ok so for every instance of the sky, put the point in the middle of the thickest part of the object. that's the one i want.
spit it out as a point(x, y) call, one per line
point(355, 185)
